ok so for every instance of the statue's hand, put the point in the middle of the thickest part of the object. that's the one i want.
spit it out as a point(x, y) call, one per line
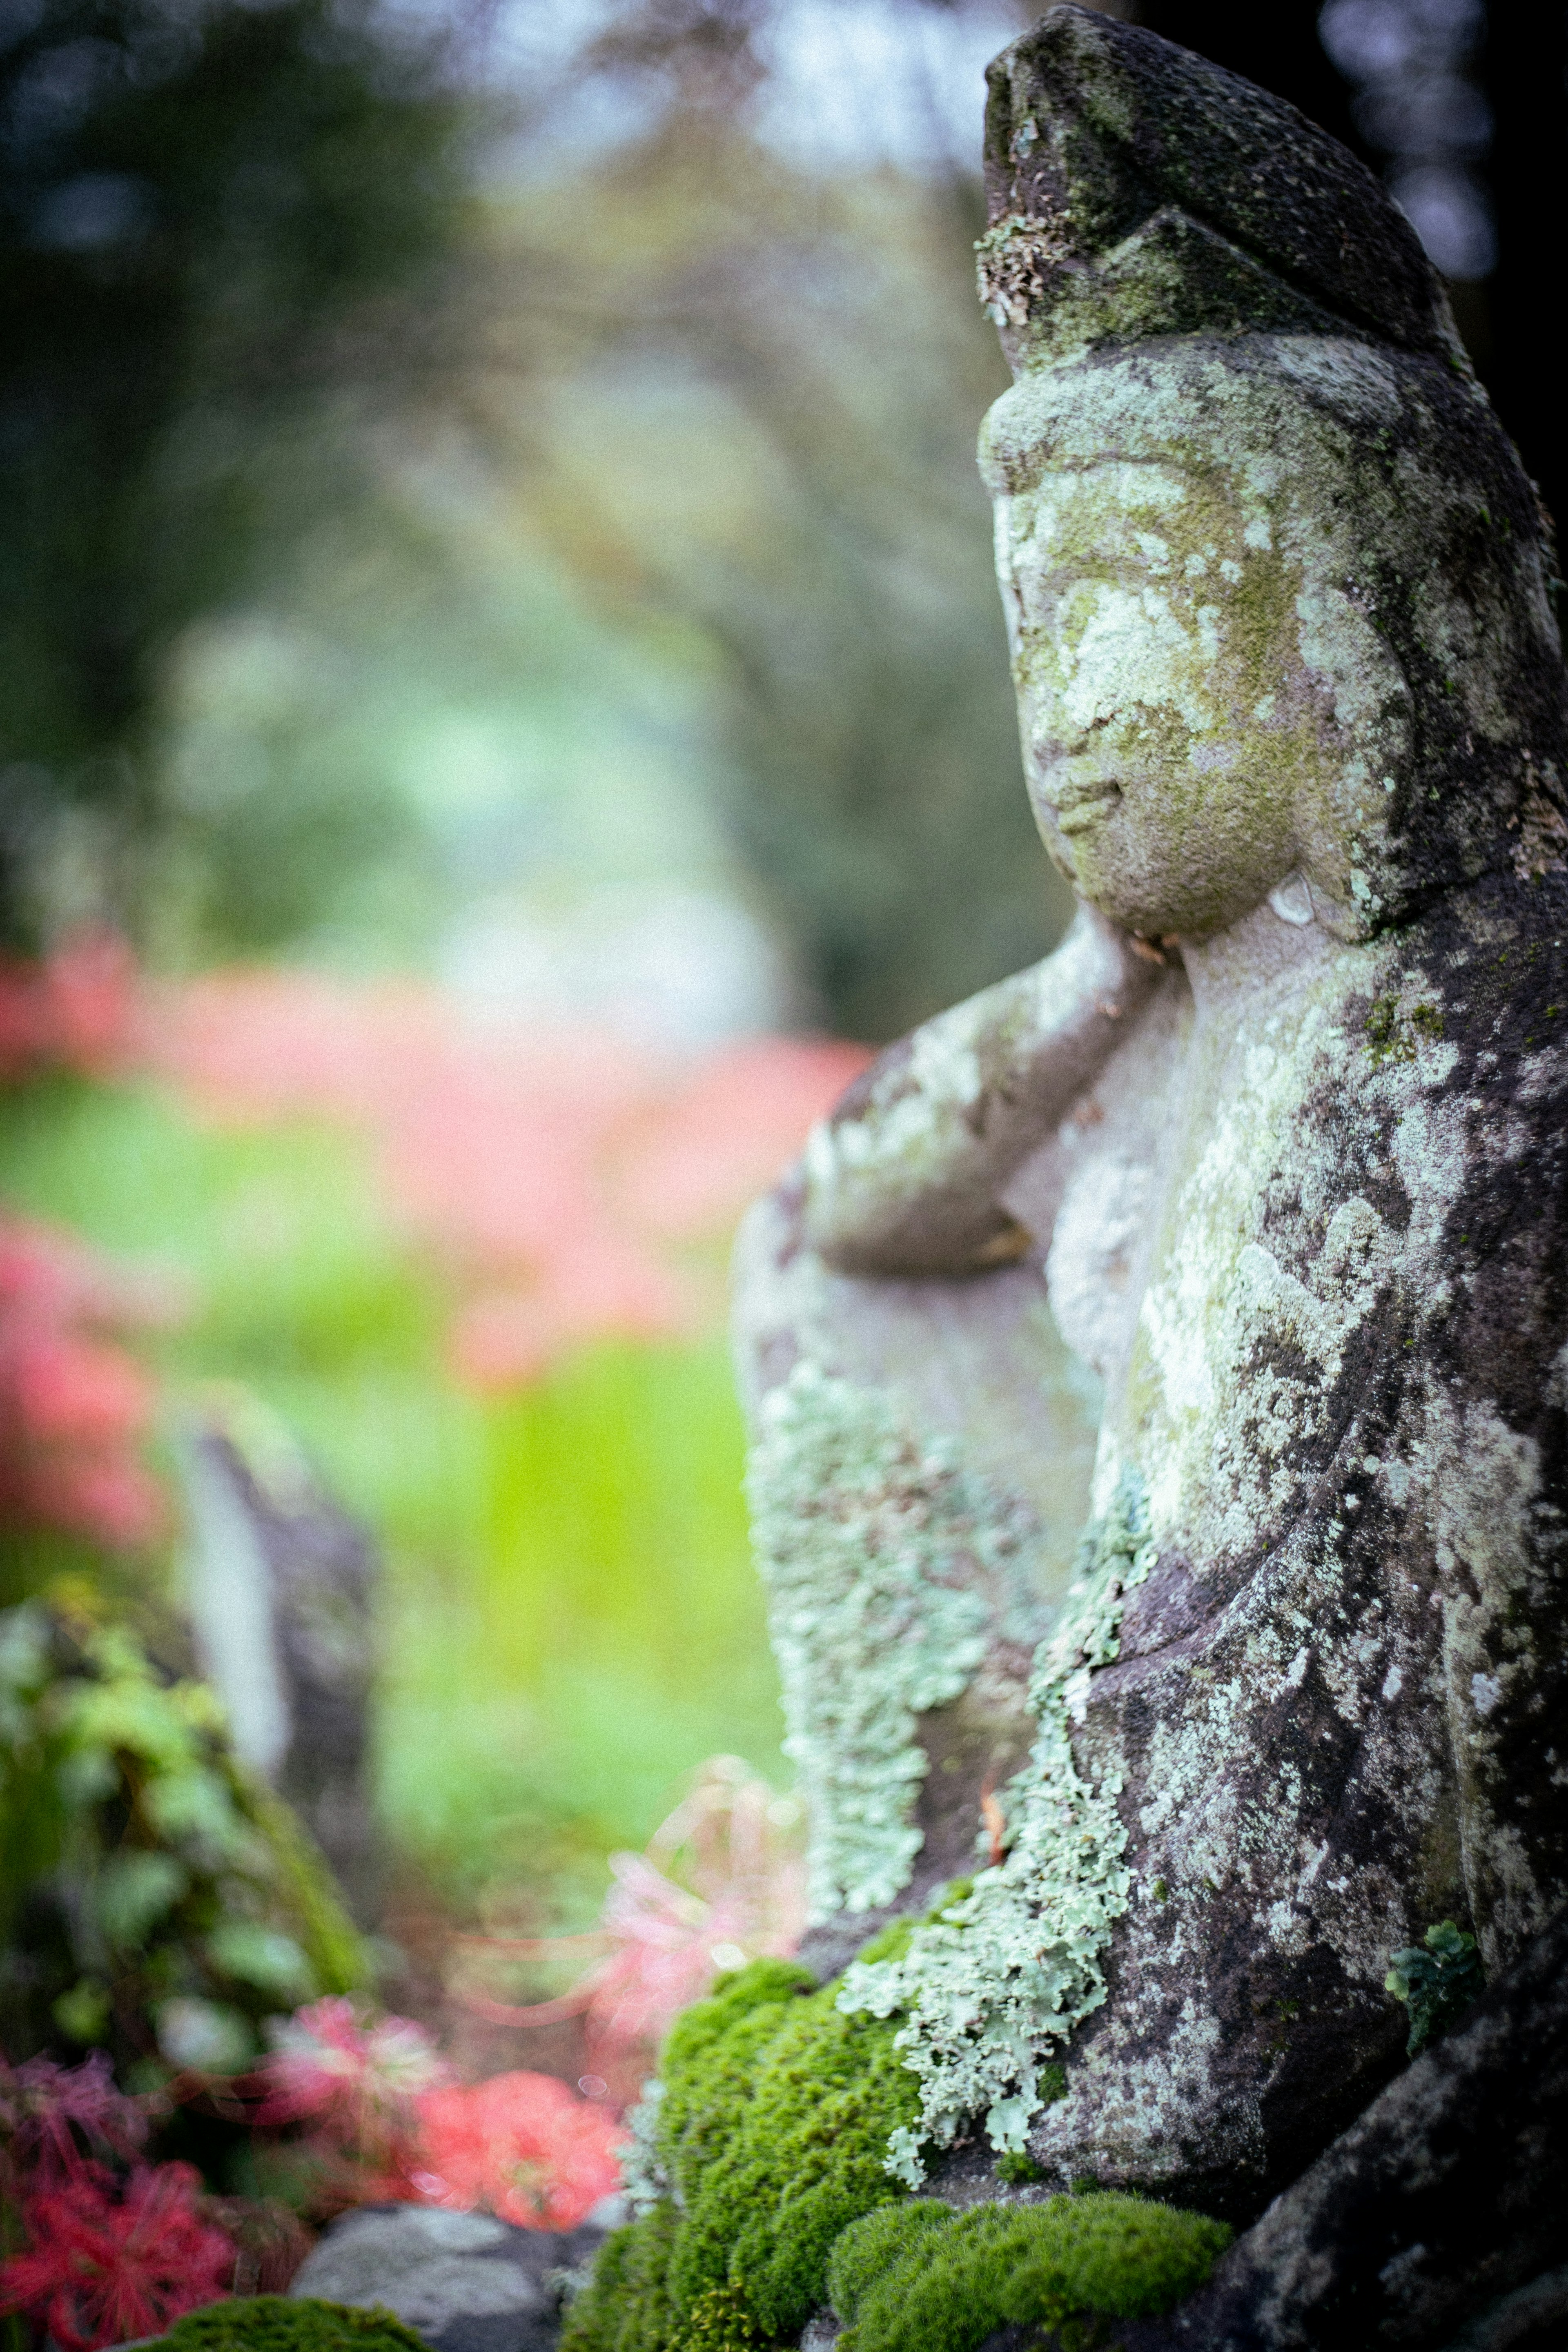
point(905, 1176)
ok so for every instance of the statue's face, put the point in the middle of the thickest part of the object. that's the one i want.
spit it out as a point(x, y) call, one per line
point(1170, 720)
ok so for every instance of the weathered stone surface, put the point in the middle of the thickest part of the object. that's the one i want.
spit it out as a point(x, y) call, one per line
point(1136, 191)
point(466, 2281)
point(1440, 2217)
point(1263, 1173)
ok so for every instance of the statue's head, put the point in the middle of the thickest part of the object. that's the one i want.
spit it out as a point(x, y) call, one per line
point(1275, 584)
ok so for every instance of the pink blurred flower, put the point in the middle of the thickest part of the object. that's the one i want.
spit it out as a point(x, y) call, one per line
point(76, 1391)
point(723, 1882)
point(77, 1007)
point(556, 1173)
point(522, 2145)
point(328, 2061)
point(106, 2265)
point(74, 1408)
point(355, 2081)
point(722, 1136)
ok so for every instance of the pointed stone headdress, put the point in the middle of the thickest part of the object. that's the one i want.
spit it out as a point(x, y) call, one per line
point(1136, 191)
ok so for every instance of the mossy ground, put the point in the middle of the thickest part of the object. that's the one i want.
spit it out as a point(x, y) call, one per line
point(277, 2322)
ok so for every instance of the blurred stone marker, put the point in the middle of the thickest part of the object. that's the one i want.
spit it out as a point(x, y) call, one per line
point(467, 2281)
point(280, 1585)
point(1265, 1169)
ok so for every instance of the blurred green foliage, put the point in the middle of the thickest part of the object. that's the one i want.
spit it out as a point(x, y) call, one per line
point(755, 390)
point(154, 1897)
point(570, 1620)
point(219, 226)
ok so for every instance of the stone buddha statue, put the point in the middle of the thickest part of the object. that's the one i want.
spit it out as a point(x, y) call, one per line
point(1157, 1364)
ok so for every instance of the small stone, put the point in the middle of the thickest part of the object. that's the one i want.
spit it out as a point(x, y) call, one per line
point(467, 2281)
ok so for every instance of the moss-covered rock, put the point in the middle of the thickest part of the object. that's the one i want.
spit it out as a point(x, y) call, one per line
point(921, 2278)
point(277, 2322)
point(766, 2192)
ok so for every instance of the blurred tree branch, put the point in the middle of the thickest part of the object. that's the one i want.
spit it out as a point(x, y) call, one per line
point(222, 231)
point(762, 419)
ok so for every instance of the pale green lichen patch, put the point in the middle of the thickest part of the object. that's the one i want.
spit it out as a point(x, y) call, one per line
point(1001, 1979)
point(867, 1542)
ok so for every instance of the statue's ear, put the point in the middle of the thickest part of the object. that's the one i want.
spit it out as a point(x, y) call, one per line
point(1351, 800)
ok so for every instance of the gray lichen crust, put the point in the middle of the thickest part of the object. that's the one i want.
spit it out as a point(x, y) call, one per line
point(868, 1543)
point(996, 1985)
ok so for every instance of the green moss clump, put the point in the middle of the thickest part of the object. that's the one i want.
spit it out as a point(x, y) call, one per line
point(625, 2307)
point(944, 2284)
point(873, 2248)
point(277, 2323)
point(1019, 2170)
point(719, 2322)
point(1391, 1036)
point(767, 2142)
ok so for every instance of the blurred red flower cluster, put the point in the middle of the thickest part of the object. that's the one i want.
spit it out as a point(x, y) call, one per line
point(111, 2261)
point(561, 1174)
point(566, 1180)
point(118, 2248)
point(524, 2146)
point(387, 2122)
point(74, 1408)
point(111, 2254)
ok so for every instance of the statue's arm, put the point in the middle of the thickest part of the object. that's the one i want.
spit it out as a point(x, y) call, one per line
point(905, 1175)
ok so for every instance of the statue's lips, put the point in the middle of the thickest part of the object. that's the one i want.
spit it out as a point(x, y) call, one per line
point(1075, 806)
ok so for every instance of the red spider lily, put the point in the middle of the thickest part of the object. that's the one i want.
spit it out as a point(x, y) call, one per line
point(48, 2112)
point(103, 2267)
point(558, 1171)
point(389, 2123)
point(722, 1882)
point(328, 2061)
point(522, 2145)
